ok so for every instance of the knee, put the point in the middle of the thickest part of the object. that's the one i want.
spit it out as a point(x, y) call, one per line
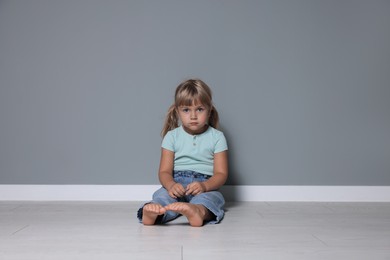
point(211, 196)
point(162, 192)
point(162, 197)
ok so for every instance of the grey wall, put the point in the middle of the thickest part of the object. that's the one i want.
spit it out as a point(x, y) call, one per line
point(302, 87)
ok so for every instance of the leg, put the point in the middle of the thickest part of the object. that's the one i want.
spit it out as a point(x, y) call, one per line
point(214, 202)
point(195, 213)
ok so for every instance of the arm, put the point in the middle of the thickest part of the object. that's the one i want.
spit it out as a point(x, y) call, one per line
point(220, 172)
point(216, 181)
point(165, 174)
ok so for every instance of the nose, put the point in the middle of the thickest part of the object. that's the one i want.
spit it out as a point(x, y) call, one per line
point(193, 115)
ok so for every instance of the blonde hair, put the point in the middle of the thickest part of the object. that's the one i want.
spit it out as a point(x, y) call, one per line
point(188, 93)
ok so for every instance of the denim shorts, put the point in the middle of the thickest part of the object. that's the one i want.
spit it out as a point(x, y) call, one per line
point(212, 200)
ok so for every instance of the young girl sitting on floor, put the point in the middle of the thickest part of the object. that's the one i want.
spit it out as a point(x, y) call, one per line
point(194, 161)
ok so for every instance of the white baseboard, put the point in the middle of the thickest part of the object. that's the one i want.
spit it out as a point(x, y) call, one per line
point(232, 193)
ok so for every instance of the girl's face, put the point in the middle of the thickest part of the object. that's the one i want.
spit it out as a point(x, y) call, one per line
point(194, 118)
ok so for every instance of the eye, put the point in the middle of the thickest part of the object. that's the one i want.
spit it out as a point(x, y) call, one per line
point(185, 110)
point(200, 109)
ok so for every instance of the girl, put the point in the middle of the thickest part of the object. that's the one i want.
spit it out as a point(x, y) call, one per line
point(193, 161)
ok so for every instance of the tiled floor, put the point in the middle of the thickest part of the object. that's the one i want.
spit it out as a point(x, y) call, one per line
point(250, 230)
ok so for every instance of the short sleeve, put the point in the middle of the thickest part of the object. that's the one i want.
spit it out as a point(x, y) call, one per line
point(168, 142)
point(221, 144)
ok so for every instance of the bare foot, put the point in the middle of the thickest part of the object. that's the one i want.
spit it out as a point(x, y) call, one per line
point(196, 214)
point(150, 213)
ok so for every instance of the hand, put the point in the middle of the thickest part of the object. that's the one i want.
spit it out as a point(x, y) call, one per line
point(195, 188)
point(176, 190)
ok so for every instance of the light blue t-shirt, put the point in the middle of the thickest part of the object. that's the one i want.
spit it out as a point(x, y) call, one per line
point(194, 152)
